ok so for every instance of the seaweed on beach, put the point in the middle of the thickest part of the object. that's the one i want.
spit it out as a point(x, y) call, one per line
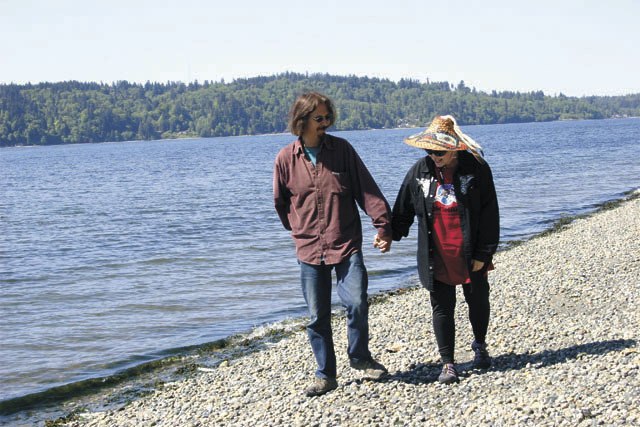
point(564, 221)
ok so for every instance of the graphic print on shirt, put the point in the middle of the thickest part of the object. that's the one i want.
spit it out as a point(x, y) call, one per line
point(424, 183)
point(465, 183)
point(449, 263)
point(445, 195)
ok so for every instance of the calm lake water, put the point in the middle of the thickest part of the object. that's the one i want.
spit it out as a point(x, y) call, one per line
point(115, 254)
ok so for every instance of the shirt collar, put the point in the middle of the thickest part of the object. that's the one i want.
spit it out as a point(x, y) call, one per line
point(326, 143)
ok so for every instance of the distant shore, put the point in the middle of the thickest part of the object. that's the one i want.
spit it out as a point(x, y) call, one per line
point(564, 334)
point(185, 136)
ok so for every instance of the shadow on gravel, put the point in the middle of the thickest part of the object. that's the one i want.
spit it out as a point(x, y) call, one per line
point(428, 373)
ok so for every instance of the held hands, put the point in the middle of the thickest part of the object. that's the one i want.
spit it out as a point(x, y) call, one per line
point(382, 243)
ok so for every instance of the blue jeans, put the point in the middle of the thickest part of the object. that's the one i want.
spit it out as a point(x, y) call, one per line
point(352, 282)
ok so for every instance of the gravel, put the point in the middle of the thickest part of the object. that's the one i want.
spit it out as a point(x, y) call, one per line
point(563, 335)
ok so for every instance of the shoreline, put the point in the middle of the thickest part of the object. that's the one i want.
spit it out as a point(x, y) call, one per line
point(413, 366)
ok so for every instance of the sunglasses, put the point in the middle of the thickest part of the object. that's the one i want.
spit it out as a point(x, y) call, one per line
point(320, 119)
point(436, 153)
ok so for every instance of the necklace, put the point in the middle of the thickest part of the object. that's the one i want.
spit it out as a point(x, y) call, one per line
point(440, 172)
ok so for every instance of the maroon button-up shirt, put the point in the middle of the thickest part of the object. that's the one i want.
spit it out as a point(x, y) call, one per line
point(318, 203)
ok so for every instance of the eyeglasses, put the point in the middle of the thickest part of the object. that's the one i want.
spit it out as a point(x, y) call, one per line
point(320, 119)
point(436, 153)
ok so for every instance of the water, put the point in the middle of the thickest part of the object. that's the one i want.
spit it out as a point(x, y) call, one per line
point(115, 254)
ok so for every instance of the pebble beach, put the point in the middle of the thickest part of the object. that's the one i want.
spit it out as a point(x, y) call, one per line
point(564, 336)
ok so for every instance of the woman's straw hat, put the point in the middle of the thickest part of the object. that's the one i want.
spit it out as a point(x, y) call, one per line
point(443, 134)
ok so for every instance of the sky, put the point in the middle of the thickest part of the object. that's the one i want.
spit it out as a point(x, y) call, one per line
point(573, 47)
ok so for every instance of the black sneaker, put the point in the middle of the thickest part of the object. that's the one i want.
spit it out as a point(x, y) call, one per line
point(321, 386)
point(372, 369)
point(481, 358)
point(449, 374)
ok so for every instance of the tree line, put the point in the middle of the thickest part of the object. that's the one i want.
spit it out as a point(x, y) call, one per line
point(77, 112)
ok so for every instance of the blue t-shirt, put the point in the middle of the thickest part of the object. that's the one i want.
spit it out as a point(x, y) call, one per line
point(312, 152)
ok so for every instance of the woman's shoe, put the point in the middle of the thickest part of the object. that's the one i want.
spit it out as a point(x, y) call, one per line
point(449, 374)
point(481, 358)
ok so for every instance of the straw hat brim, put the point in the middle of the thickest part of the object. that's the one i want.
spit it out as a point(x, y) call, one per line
point(436, 141)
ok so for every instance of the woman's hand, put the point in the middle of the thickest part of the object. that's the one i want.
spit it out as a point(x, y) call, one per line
point(476, 265)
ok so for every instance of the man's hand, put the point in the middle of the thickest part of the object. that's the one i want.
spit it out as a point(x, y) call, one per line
point(382, 243)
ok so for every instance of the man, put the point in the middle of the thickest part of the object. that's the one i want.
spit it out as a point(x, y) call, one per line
point(317, 181)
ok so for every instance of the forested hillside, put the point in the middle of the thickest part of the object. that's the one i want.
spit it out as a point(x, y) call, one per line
point(76, 112)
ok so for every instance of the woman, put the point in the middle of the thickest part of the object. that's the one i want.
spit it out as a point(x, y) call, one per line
point(451, 192)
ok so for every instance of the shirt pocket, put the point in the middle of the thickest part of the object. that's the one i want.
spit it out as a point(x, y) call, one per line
point(338, 183)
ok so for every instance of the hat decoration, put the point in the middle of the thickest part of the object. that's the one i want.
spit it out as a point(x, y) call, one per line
point(444, 134)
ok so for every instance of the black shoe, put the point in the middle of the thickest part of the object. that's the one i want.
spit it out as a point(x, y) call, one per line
point(372, 369)
point(481, 358)
point(321, 386)
point(449, 374)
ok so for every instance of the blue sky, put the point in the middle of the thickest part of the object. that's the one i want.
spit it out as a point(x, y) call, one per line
point(575, 47)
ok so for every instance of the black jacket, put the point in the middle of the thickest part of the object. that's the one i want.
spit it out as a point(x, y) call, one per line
point(477, 205)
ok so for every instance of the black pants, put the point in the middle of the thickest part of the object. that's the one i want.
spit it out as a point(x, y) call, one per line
point(443, 304)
